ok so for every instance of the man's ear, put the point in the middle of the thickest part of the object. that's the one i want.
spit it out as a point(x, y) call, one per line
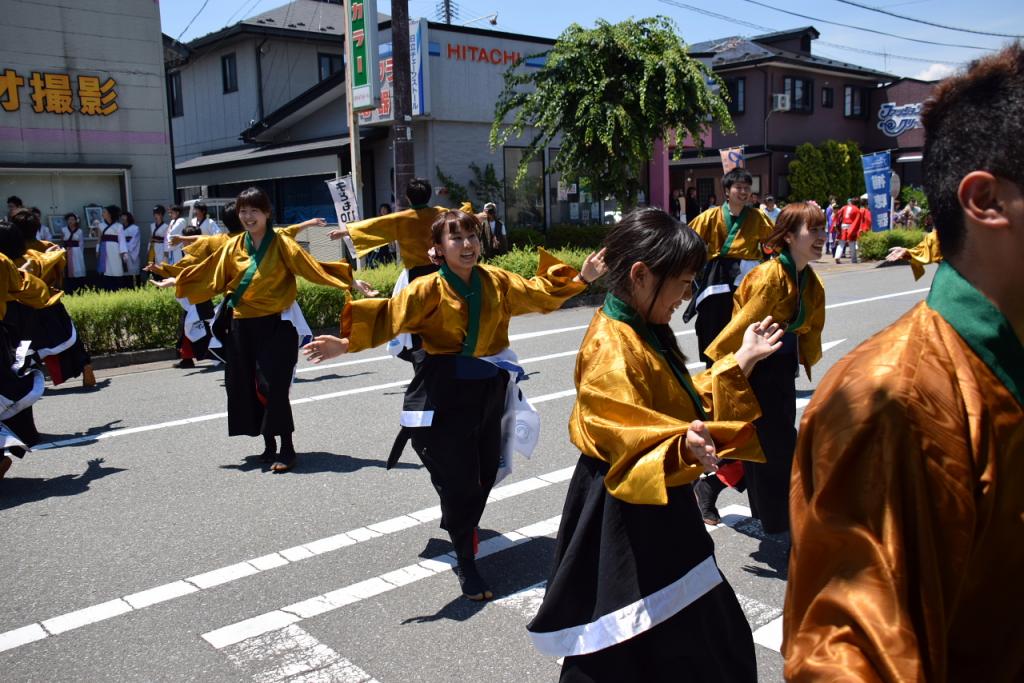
point(980, 196)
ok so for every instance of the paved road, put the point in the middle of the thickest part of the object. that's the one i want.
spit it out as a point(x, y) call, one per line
point(145, 545)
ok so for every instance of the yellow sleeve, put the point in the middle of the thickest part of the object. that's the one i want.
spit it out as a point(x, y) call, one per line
point(809, 341)
point(371, 322)
point(726, 393)
point(301, 263)
point(876, 559)
point(645, 449)
point(757, 296)
point(26, 288)
point(374, 233)
point(291, 231)
point(204, 280)
point(553, 284)
point(927, 251)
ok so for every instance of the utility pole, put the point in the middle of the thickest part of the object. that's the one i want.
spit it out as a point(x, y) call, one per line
point(353, 132)
point(405, 167)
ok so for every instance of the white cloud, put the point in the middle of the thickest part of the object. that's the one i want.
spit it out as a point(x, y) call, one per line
point(936, 72)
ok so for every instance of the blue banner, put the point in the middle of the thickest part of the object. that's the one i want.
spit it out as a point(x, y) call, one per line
point(878, 180)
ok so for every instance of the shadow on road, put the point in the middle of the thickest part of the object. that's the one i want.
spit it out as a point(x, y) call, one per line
point(507, 572)
point(65, 389)
point(16, 491)
point(310, 463)
point(333, 375)
point(92, 431)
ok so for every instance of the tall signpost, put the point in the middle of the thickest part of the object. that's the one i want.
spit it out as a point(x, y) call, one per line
point(402, 126)
point(362, 87)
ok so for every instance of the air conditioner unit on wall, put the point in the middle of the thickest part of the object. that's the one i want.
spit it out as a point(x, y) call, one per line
point(780, 102)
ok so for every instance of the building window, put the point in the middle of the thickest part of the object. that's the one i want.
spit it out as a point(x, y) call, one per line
point(828, 97)
point(737, 88)
point(174, 94)
point(229, 72)
point(855, 102)
point(524, 204)
point(329, 65)
point(801, 94)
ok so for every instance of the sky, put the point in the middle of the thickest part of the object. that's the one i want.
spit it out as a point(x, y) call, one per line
point(694, 18)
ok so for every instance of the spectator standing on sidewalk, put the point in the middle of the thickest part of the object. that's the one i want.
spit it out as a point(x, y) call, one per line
point(848, 220)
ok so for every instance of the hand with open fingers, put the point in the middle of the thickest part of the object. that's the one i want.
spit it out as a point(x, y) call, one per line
point(760, 340)
point(365, 288)
point(896, 254)
point(165, 283)
point(324, 347)
point(314, 222)
point(434, 257)
point(593, 267)
point(337, 233)
point(54, 247)
point(701, 446)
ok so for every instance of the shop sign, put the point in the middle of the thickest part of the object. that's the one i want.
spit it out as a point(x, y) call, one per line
point(895, 119)
point(362, 34)
point(384, 112)
point(474, 53)
point(54, 93)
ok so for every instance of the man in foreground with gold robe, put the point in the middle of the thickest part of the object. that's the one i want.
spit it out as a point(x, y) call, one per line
point(907, 500)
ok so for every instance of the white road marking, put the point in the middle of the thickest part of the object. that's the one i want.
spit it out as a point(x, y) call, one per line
point(770, 635)
point(291, 654)
point(89, 615)
point(347, 595)
point(876, 298)
point(758, 613)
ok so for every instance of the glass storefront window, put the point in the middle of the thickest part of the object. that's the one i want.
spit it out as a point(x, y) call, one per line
point(524, 205)
point(571, 202)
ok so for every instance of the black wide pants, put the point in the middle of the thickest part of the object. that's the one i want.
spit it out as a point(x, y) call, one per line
point(262, 353)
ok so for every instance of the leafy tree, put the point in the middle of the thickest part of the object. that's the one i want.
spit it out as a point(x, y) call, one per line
point(485, 184)
point(456, 193)
point(610, 91)
point(831, 168)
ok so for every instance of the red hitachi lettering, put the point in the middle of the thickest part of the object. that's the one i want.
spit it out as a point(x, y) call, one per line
point(495, 59)
point(509, 57)
point(483, 56)
point(472, 53)
point(453, 49)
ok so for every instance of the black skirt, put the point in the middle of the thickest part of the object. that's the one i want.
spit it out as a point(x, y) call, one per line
point(261, 356)
point(52, 336)
point(636, 595)
point(774, 383)
point(20, 388)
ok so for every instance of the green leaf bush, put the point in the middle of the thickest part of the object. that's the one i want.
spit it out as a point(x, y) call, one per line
point(874, 246)
point(150, 318)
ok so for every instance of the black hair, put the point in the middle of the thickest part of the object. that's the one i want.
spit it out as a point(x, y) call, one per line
point(129, 219)
point(667, 247)
point(974, 121)
point(453, 220)
point(256, 198)
point(201, 206)
point(12, 242)
point(159, 208)
point(229, 217)
point(418, 191)
point(26, 222)
point(176, 208)
point(736, 175)
point(16, 200)
point(72, 214)
point(115, 212)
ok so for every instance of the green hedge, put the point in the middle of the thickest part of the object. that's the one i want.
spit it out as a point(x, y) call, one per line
point(149, 318)
point(560, 236)
point(874, 246)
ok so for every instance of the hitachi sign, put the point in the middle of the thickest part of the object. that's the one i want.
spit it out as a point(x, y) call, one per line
point(472, 53)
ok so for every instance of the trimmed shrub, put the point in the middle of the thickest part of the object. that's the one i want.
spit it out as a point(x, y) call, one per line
point(874, 246)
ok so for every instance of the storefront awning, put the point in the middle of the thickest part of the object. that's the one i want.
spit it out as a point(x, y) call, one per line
point(261, 153)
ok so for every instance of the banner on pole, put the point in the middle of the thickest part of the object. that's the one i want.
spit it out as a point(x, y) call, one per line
point(732, 157)
point(362, 53)
point(877, 179)
point(419, 74)
point(343, 194)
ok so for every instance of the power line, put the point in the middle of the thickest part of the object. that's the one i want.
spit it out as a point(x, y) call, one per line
point(194, 17)
point(861, 28)
point(928, 23)
point(758, 27)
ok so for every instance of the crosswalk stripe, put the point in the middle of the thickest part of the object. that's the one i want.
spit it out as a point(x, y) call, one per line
point(293, 655)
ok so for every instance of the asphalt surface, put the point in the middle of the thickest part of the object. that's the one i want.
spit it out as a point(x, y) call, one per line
point(151, 547)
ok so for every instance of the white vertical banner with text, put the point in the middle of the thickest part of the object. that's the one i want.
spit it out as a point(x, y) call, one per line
point(343, 194)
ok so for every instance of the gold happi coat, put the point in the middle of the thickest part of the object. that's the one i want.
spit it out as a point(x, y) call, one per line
point(770, 289)
point(754, 230)
point(273, 286)
point(633, 413)
point(49, 266)
point(907, 503)
point(25, 288)
point(431, 308)
point(927, 251)
point(410, 228)
point(205, 246)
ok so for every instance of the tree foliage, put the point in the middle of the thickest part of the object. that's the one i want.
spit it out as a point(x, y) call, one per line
point(484, 184)
point(611, 91)
point(457, 193)
point(831, 168)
